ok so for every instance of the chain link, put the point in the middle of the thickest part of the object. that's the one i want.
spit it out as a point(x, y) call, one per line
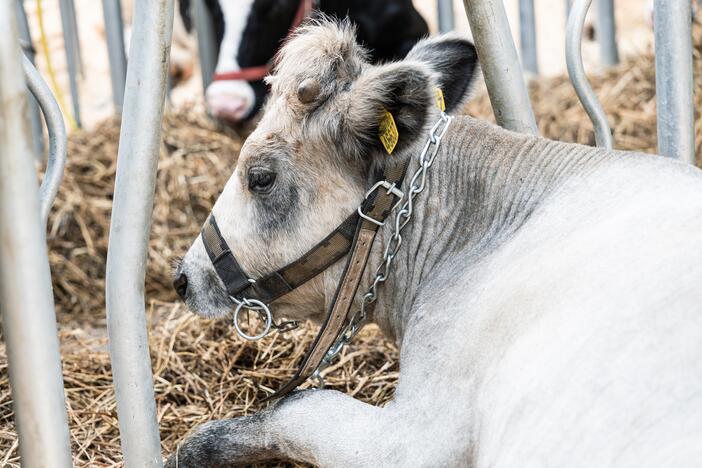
point(403, 213)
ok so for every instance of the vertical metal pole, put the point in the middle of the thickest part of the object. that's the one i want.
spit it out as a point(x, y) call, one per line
point(527, 36)
point(567, 4)
point(606, 32)
point(69, 42)
point(206, 41)
point(139, 145)
point(672, 24)
point(26, 301)
point(28, 48)
point(445, 14)
point(500, 64)
point(112, 12)
point(76, 36)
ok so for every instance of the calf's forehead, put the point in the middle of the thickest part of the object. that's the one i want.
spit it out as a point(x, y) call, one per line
point(322, 50)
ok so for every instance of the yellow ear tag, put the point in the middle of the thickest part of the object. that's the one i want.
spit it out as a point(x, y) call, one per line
point(440, 103)
point(387, 131)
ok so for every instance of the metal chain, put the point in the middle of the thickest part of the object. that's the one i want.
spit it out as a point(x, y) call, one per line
point(403, 213)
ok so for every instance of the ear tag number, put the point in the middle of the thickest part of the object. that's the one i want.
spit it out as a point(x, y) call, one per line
point(387, 131)
point(440, 103)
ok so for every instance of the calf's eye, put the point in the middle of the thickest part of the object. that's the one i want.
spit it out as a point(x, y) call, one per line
point(261, 181)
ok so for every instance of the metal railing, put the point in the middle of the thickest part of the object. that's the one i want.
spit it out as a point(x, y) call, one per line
point(527, 36)
point(576, 71)
point(674, 99)
point(673, 62)
point(606, 32)
point(139, 144)
point(56, 162)
point(500, 65)
point(206, 41)
point(444, 10)
point(26, 299)
point(28, 48)
point(114, 31)
point(72, 49)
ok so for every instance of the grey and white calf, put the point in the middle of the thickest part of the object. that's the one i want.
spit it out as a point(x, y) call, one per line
point(546, 299)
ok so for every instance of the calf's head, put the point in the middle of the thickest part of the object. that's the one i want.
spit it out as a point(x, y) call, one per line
point(312, 157)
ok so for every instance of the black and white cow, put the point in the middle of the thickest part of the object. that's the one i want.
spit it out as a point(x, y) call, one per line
point(249, 33)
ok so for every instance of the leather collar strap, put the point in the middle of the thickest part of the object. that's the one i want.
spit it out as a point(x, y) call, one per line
point(257, 73)
point(356, 235)
point(282, 281)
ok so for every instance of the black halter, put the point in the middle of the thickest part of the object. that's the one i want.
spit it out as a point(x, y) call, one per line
point(355, 235)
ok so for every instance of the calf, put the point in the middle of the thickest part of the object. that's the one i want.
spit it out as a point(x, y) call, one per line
point(249, 32)
point(545, 297)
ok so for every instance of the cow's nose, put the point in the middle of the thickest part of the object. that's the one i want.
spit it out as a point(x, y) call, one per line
point(181, 285)
point(230, 108)
point(230, 100)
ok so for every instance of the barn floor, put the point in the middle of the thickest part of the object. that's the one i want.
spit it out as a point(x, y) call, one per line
point(202, 370)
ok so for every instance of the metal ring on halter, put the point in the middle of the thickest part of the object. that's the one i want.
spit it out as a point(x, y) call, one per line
point(261, 308)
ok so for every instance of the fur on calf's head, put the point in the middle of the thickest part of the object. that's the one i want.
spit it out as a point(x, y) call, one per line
point(310, 160)
point(353, 94)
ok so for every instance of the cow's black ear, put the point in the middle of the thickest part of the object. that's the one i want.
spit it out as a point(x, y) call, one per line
point(389, 102)
point(455, 62)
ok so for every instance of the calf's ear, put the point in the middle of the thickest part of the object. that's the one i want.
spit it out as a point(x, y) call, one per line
point(385, 101)
point(455, 63)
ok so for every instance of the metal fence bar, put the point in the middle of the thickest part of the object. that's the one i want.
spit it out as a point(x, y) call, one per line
point(26, 301)
point(674, 101)
point(206, 41)
point(69, 42)
point(606, 31)
point(445, 15)
point(28, 48)
point(139, 144)
point(576, 72)
point(76, 45)
point(500, 65)
point(527, 36)
point(114, 29)
point(56, 161)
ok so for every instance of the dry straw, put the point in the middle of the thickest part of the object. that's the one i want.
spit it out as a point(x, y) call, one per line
point(202, 370)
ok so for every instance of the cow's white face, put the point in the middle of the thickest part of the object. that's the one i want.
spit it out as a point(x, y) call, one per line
point(310, 160)
point(253, 30)
point(234, 99)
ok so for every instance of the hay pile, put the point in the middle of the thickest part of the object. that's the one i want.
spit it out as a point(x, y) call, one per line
point(202, 371)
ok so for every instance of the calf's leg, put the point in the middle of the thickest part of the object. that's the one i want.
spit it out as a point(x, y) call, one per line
point(323, 427)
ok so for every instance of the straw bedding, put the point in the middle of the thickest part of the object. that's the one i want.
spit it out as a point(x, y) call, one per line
point(202, 371)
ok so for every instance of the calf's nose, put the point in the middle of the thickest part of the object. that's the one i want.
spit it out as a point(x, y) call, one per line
point(181, 285)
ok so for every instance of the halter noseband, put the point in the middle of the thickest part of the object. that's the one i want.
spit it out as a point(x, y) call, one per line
point(355, 235)
point(257, 73)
